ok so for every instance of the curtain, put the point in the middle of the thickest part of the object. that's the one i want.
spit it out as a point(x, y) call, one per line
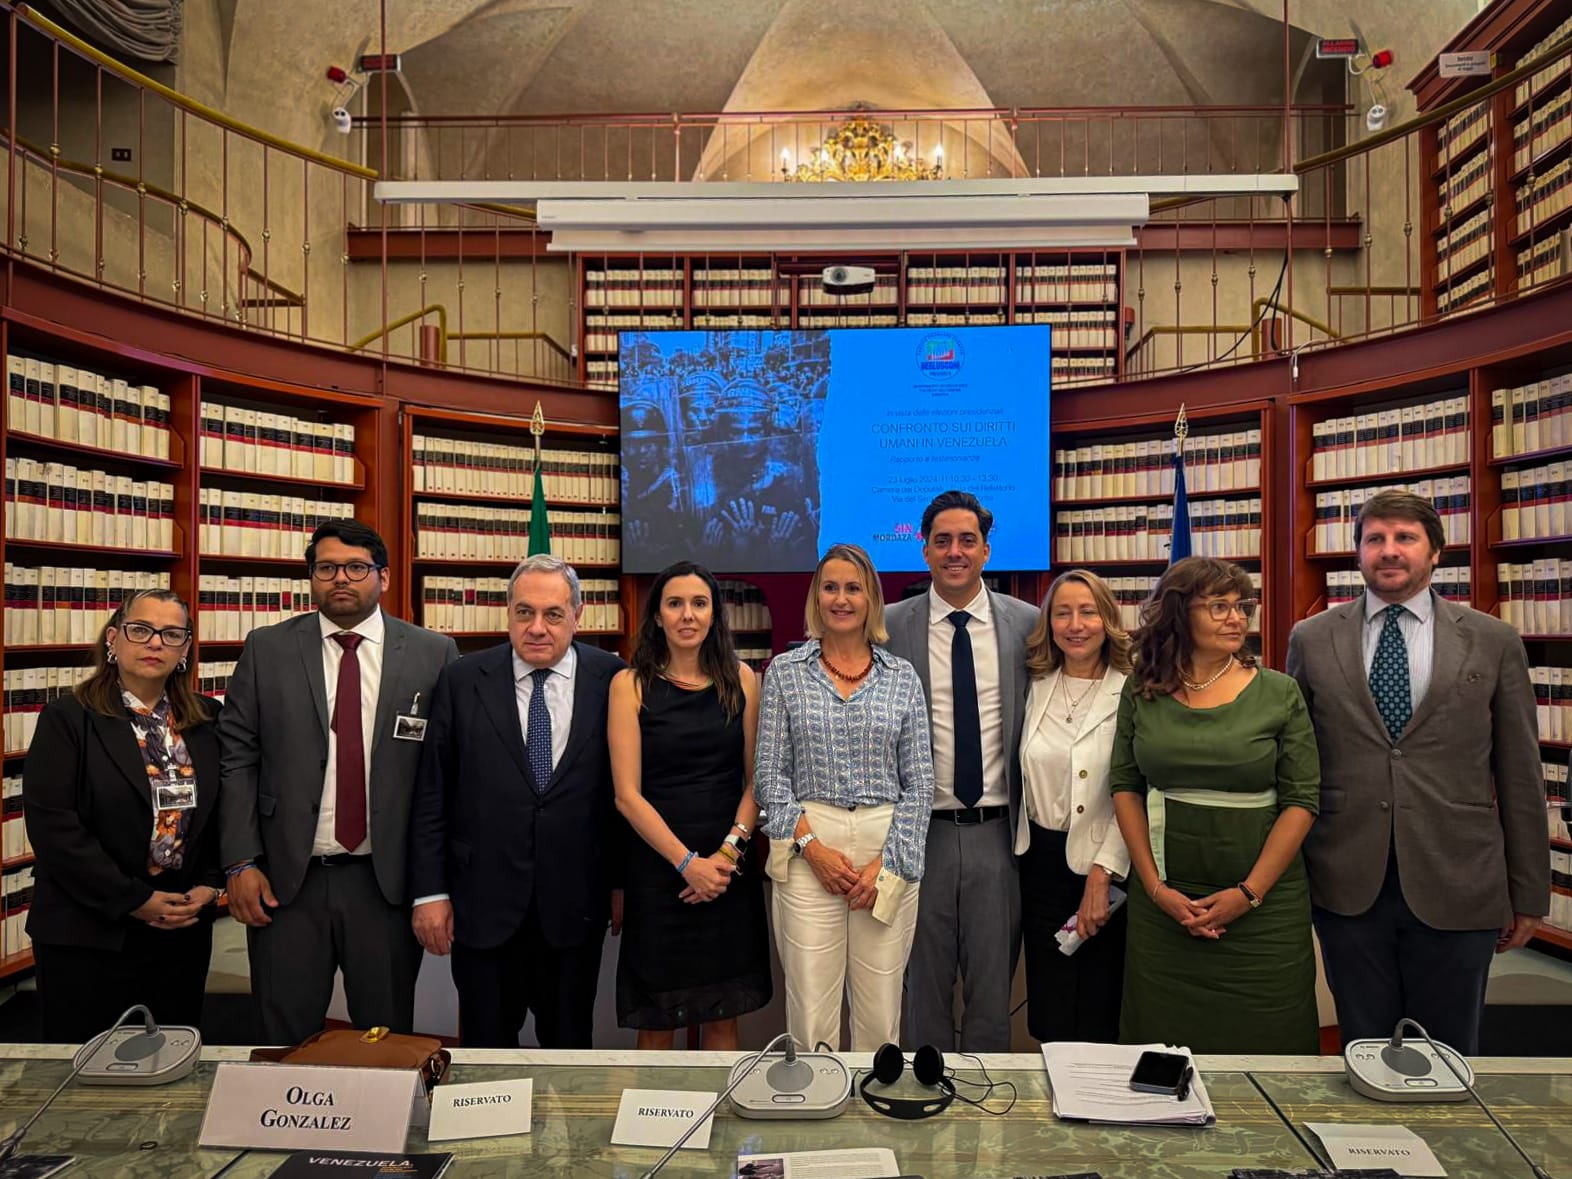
point(148, 30)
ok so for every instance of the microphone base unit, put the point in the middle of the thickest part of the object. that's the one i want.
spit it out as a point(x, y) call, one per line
point(1412, 1072)
point(129, 1056)
point(822, 1089)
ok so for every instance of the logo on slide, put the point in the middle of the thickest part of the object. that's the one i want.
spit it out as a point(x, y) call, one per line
point(940, 355)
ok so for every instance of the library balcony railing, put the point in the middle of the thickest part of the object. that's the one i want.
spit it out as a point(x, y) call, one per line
point(1465, 207)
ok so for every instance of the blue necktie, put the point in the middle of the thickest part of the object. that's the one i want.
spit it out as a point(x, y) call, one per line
point(1389, 676)
point(968, 719)
point(537, 741)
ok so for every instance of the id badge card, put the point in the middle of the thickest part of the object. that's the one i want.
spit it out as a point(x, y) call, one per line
point(410, 726)
point(174, 794)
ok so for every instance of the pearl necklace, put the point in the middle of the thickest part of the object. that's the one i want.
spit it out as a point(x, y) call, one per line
point(1201, 687)
point(1070, 705)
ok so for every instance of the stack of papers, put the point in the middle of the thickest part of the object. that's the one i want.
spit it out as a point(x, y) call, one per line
point(1091, 1083)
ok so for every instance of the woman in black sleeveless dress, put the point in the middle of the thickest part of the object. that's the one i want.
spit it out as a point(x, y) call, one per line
point(695, 948)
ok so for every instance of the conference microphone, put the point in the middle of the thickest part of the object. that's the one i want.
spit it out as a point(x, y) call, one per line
point(1390, 1070)
point(149, 1056)
point(738, 1076)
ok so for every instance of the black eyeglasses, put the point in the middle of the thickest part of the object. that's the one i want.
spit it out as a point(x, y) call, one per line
point(354, 570)
point(141, 632)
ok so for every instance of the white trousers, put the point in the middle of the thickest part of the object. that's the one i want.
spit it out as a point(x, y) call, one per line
point(826, 948)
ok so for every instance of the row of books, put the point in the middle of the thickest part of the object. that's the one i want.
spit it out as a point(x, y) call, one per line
point(255, 524)
point(14, 843)
point(53, 605)
point(1459, 189)
point(1540, 79)
point(16, 894)
point(1464, 293)
point(1455, 583)
point(1078, 329)
point(230, 608)
point(1541, 261)
point(460, 467)
point(1548, 196)
point(87, 408)
point(1462, 131)
point(465, 532)
point(26, 690)
point(1536, 596)
point(1336, 511)
point(1532, 417)
point(1380, 442)
point(652, 287)
point(1080, 368)
point(1534, 502)
point(1465, 244)
point(1117, 470)
point(467, 605)
point(858, 319)
point(745, 606)
point(971, 317)
point(1558, 806)
point(260, 442)
point(761, 319)
point(1553, 701)
point(1541, 130)
point(739, 288)
point(1131, 593)
point(1229, 528)
point(754, 656)
point(213, 677)
point(57, 503)
point(1078, 282)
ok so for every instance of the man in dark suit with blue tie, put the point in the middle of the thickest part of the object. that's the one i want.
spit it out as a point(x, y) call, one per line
point(514, 835)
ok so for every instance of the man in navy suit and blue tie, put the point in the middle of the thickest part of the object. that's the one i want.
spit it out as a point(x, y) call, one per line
point(514, 833)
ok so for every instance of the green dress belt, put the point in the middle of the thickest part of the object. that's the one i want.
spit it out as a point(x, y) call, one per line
point(1157, 810)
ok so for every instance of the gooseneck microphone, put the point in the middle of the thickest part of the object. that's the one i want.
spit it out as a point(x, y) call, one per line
point(149, 1030)
point(738, 1077)
point(1396, 1048)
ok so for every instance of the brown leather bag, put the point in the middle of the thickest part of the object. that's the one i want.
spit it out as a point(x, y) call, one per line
point(377, 1048)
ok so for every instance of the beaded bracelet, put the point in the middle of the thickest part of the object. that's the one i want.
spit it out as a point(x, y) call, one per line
point(726, 850)
point(686, 860)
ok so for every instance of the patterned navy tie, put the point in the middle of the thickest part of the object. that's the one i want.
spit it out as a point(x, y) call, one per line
point(1389, 676)
point(537, 741)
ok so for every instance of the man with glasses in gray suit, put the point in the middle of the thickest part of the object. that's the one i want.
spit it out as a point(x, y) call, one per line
point(968, 645)
point(1429, 855)
point(321, 735)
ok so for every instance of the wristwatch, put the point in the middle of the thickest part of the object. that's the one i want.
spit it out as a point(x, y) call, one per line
point(800, 844)
point(1249, 895)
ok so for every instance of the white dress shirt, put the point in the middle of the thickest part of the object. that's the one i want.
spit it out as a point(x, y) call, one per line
point(990, 705)
point(559, 698)
point(369, 653)
point(1417, 622)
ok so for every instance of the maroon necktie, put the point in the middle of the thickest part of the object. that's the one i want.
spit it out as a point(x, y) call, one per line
point(349, 807)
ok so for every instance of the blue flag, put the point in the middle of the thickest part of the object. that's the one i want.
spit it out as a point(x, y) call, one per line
point(1179, 544)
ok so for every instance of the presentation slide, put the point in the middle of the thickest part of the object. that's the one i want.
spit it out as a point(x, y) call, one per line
point(755, 451)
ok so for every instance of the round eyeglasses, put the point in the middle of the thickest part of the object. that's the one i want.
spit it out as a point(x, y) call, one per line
point(354, 570)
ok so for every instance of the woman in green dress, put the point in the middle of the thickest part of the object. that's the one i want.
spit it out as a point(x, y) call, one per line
point(1216, 781)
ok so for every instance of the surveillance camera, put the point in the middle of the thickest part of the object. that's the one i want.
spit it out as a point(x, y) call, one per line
point(341, 121)
point(1375, 117)
point(848, 280)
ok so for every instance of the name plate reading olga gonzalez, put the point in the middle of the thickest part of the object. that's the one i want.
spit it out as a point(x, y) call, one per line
point(309, 1107)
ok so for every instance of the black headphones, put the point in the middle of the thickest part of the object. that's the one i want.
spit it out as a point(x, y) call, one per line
point(927, 1068)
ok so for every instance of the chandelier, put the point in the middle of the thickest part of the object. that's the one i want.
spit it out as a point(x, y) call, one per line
point(860, 149)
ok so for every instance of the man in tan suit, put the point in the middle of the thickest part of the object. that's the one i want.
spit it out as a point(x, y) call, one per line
point(1430, 852)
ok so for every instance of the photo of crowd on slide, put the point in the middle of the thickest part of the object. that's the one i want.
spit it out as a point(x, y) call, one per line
point(719, 448)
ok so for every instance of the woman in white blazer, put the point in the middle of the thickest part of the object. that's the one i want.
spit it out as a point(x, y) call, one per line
point(1069, 845)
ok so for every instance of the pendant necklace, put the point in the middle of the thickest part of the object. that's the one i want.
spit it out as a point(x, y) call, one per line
point(1071, 705)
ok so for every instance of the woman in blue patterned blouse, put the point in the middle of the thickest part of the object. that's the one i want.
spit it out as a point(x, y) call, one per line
point(844, 781)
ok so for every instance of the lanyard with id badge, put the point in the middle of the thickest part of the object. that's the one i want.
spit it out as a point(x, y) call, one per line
point(174, 797)
point(410, 726)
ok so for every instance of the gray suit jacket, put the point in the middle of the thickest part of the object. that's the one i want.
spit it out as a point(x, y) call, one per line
point(1013, 620)
point(275, 748)
point(1468, 856)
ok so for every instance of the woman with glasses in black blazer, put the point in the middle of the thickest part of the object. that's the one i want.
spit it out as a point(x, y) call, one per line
point(118, 792)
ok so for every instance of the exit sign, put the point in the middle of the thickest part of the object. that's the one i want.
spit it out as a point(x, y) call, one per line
point(1337, 47)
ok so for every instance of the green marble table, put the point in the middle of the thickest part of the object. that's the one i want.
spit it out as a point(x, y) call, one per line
point(128, 1133)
